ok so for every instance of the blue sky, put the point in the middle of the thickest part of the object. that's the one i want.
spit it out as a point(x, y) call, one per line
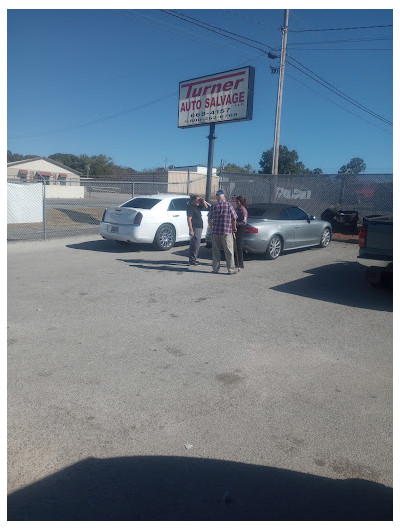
point(70, 67)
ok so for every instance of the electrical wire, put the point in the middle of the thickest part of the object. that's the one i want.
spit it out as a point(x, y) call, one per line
point(342, 29)
point(337, 91)
point(204, 25)
point(100, 120)
point(324, 83)
point(338, 104)
point(367, 39)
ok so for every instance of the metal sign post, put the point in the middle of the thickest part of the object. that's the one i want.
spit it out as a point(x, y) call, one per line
point(211, 139)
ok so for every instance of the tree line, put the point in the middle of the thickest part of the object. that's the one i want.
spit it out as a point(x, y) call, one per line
point(103, 166)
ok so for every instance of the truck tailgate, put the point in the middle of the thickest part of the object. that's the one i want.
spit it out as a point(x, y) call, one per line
point(380, 234)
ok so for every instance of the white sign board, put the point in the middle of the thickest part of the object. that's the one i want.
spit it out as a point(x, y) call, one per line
point(218, 98)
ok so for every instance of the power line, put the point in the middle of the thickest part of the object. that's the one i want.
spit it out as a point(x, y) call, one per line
point(367, 39)
point(342, 29)
point(337, 91)
point(99, 120)
point(230, 12)
point(324, 83)
point(338, 104)
point(204, 25)
point(341, 49)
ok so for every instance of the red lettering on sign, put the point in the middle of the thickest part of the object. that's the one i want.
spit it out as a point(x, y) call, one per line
point(235, 97)
point(190, 85)
point(212, 104)
point(207, 104)
point(228, 99)
point(238, 81)
point(198, 104)
point(227, 86)
point(241, 97)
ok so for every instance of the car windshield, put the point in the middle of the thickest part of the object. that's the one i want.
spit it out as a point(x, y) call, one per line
point(264, 211)
point(142, 202)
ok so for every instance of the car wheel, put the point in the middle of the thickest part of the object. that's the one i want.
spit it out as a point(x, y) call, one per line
point(325, 238)
point(379, 279)
point(165, 237)
point(274, 248)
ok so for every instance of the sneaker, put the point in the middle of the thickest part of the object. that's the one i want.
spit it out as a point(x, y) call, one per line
point(233, 272)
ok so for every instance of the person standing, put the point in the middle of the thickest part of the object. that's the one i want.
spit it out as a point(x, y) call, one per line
point(195, 222)
point(241, 211)
point(222, 222)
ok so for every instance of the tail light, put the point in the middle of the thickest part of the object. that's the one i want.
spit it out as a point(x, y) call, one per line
point(138, 218)
point(362, 237)
point(250, 230)
point(104, 214)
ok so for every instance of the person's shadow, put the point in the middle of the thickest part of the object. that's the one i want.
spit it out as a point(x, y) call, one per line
point(183, 488)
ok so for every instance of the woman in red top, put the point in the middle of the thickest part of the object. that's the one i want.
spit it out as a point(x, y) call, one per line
point(241, 221)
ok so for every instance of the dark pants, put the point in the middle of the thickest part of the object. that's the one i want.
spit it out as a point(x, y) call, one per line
point(239, 244)
point(195, 245)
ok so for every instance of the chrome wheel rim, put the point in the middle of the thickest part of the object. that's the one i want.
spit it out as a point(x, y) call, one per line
point(275, 247)
point(326, 236)
point(166, 237)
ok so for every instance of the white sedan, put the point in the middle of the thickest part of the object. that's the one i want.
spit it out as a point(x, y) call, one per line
point(159, 219)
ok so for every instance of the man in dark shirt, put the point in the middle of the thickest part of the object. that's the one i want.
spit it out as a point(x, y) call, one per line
point(195, 222)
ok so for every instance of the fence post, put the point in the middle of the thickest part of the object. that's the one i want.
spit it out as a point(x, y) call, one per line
point(133, 188)
point(188, 182)
point(44, 210)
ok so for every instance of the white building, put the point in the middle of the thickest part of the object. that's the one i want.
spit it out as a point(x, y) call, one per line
point(197, 168)
point(42, 168)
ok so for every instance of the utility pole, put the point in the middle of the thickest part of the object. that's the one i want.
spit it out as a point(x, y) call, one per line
point(275, 159)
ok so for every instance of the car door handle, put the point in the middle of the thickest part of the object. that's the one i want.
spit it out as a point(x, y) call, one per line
point(175, 215)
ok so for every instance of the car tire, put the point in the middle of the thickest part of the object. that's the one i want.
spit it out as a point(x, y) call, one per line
point(274, 248)
point(325, 238)
point(379, 279)
point(165, 237)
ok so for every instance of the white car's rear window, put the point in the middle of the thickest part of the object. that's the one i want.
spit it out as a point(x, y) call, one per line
point(142, 202)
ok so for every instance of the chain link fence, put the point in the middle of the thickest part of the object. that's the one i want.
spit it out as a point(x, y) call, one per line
point(76, 207)
point(41, 210)
point(364, 194)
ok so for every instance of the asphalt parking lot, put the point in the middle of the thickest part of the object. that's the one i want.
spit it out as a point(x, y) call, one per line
point(141, 389)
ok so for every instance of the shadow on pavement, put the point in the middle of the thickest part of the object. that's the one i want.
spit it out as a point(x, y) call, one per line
point(166, 265)
point(114, 246)
point(108, 246)
point(340, 283)
point(180, 488)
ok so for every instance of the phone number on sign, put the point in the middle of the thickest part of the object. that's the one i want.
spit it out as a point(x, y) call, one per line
point(201, 116)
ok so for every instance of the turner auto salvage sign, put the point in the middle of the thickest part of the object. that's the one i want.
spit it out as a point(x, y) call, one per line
point(219, 98)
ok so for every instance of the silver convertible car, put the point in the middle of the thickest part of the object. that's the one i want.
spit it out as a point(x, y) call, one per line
point(275, 227)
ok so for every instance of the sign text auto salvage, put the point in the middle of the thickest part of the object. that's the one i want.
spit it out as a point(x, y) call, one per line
point(219, 98)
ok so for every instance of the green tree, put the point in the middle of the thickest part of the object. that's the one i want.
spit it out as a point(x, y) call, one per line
point(317, 171)
point(98, 165)
point(14, 157)
point(288, 163)
point(348, 175)
point(234, 168)
point(354, 167)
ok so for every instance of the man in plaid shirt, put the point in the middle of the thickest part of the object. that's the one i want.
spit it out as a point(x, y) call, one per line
point(222, 220)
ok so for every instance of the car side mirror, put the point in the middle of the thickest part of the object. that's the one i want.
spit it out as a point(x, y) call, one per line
point(311, 218)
